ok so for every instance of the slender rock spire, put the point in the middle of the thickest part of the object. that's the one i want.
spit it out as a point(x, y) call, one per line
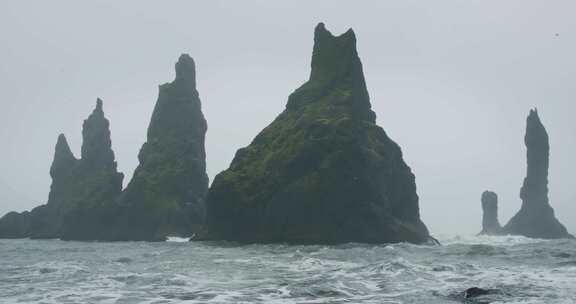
point(170, 183)
point(536, 217)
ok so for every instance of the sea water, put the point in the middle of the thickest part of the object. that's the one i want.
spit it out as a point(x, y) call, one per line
point(519, 270)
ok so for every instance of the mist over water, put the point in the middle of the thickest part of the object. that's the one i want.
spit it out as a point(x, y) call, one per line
point(522, 270)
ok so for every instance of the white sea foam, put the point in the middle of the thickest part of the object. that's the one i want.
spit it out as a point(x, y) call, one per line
point(521, 270)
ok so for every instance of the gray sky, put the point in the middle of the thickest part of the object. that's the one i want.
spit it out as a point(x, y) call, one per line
point(450, 81)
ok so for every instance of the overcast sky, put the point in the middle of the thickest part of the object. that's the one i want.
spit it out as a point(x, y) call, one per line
point(450, 81)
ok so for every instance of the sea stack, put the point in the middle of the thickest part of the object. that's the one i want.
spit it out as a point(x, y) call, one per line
point(94, 184)
point(79, 186)
point(47, 220)
point(166, 194)
point(322, 171)
point(536, 217)
point(490, 223)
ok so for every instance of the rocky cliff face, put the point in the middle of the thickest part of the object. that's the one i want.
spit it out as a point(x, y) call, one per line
point(166, 195)
point(490, 223)
point(323, 171)
point(536, 217)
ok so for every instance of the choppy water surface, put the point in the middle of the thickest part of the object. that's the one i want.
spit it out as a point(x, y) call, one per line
point(522, 270)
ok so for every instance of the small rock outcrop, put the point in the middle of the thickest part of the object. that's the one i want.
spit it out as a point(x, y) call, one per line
point(166, 194)
point(536, 217)
point(15, 225)
point(322, 171)
point(490, 223)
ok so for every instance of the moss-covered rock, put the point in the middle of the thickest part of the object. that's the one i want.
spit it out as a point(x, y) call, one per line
point(166, 194)
point(322, 171)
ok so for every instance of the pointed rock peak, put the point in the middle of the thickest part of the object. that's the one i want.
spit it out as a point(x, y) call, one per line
point(63, 157)
point(98, 110)
point(186, 68)
point(533, 117)
point(320, 32)
point(334, 57)
point(535, 130)
point(96, 142)
point(98, 105)
point(62, 147)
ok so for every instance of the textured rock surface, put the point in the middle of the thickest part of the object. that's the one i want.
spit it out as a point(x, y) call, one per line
point(94, 184)
point(166, 195)
point(490, 223)
point(47, 221)
point(323, 171)
point(536, 217)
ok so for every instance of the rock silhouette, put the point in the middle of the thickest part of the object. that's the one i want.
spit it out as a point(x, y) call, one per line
point(15, 225)
point(77, 185)
point(95, 182)
point(322, 171)
point(536, 217)
point(490, 223)
point(166, 194)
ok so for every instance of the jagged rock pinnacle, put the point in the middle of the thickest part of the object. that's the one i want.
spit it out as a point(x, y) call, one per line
point(536, 217)
point(335, 64)
point(64, 159)
point(186, 69)
point(96, 144)
point(170, 183)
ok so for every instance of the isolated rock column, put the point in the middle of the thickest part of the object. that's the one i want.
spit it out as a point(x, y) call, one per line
point(166, 194)
point(536, 217)
point(490, 223)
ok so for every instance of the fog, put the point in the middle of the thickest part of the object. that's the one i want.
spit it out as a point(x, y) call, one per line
point(450, 81)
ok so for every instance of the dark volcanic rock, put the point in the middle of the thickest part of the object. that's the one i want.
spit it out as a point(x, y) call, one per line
point(78, 187)
point(46, 221)
point(536, 217)
point(94, 183)
point(323, 171)
point(166, 195)
point(15, 225)
point(490, 223)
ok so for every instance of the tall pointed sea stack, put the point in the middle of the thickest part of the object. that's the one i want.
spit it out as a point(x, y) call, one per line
point(490, 223)
point(322, 171)
point(94, 184)
point(166, 195)
point(47, 220)
point(536, 216)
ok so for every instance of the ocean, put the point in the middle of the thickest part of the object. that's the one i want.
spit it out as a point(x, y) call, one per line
point(515, 269)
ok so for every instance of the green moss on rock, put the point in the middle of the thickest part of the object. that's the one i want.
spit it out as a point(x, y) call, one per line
point(322, 171)
point(170, 183)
